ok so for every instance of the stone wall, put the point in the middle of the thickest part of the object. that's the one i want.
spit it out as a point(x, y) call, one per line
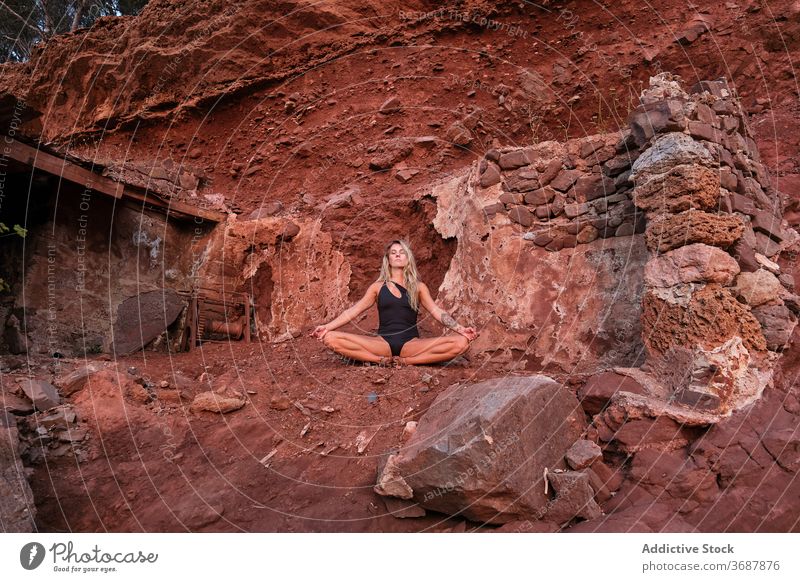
point(566, 194)
point(716, 309)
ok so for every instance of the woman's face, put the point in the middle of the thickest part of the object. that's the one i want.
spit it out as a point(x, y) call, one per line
point(397, 256)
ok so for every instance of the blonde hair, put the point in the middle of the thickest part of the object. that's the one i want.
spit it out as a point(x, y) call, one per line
point(410, 276)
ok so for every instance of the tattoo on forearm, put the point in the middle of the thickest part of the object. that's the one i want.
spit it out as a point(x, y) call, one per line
point(448, 321)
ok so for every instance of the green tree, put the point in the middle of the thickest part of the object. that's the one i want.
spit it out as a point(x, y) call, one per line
point(24, 23)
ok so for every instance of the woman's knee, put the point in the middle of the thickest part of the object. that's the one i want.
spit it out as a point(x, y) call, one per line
point(462, 344)
point(330, 339)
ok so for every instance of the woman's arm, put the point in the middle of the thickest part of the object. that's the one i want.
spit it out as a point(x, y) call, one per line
point(350, 313)
point(441, 315)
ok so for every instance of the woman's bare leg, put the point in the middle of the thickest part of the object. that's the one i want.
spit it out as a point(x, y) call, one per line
point(360, 347)
point(436, 349)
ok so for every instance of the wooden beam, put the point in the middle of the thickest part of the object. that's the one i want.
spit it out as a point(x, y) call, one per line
point(177, 209)
point(51, 164)
point(72, 172)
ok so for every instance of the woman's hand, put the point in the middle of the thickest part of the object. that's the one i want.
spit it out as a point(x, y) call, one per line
point(319, 332)
point(468, 332)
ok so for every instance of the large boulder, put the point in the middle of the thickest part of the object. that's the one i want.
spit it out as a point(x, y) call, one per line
point(142, 318)
point(481, 450)
point(43, 394)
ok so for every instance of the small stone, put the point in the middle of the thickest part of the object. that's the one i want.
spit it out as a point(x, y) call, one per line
point(458, 135)
point(587, 234)
point(77, 379)
point(624, 229)
point(770, 266)
point(403, 509)
point(574, 497)
point(280, 402)
point(61, 416)
point(777, 323)
point(513, 160)
point(492, 209)
point(575, 210)
point(391, 105)
point(521, 215)
point(582, 454)
point(512, 198)
point(490, 176)
point(787, 280)
point(565, 180)
point(404, 175)
point(409, 429)
point(213, 402)
point(758, 287)
point(540, 196)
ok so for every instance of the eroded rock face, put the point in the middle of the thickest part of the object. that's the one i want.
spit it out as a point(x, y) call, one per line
point(563, 291)
point(291, 269)
point(678, 189)
point(481, 449)
point(704, 315)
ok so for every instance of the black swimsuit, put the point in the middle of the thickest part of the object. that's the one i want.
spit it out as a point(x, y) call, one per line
point(398, 322)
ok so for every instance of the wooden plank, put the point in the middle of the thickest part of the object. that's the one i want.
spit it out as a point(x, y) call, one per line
point(178, 209)
point(191, 331)
point(51, 164)
point(226, 297)
point(247, 318)
point(46, 162)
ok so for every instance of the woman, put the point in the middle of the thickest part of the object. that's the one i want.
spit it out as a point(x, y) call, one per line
point(399, 294)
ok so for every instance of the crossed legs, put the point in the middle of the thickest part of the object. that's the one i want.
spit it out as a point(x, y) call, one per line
point(416, 351)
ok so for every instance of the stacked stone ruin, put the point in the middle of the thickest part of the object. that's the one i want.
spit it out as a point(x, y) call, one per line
point(716, 309)
point(566, 194)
